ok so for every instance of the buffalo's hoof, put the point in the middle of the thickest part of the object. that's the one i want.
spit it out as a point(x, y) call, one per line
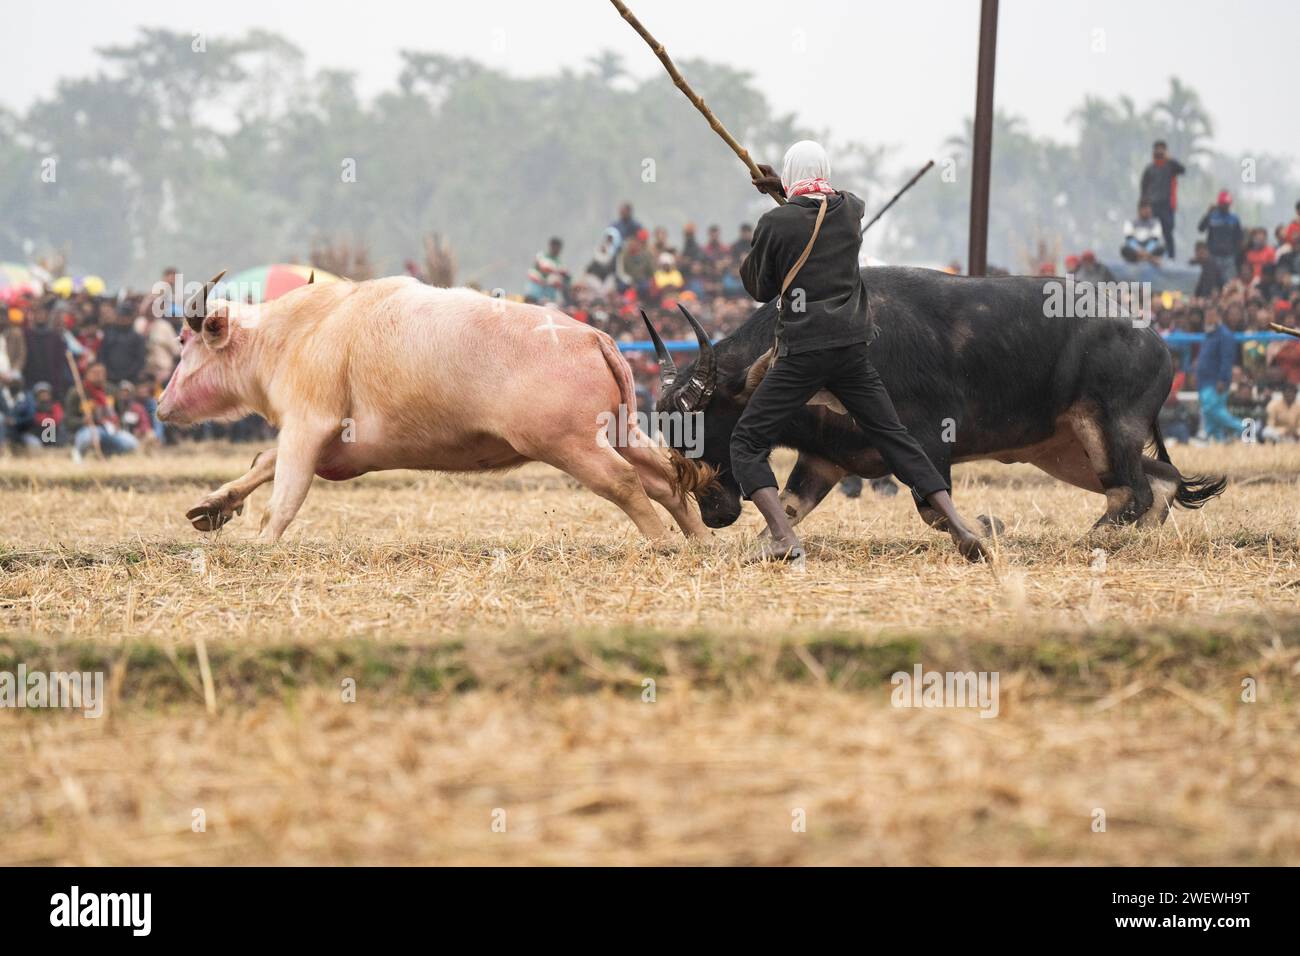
point(211, 515)
point(992, 524)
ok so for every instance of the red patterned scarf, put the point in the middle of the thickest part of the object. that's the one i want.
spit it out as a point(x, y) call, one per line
point(805, 186)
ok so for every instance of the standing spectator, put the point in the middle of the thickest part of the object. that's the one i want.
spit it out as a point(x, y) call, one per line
point(1144, 239)
point(626, 223)
point(122, 348)
point(547, 279)
point(1160, 189)
point(1214, 375)
point(1223, 234)
point(45, 348)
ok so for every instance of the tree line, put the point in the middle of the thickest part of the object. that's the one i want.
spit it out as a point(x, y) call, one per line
point(227, 153)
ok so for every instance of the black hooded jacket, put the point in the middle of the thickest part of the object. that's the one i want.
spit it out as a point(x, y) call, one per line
point(826, 304)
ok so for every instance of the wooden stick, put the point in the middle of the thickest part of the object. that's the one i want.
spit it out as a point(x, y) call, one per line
point(690, 94)
point(910, 183)
point(87, 408)
point(1284, 330)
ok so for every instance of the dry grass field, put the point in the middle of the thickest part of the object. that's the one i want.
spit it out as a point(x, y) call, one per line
point(500, 631)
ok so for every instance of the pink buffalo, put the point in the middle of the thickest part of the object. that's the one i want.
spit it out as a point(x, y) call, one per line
point(391, 373)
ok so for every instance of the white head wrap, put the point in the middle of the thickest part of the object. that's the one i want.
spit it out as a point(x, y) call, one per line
point(804, 160)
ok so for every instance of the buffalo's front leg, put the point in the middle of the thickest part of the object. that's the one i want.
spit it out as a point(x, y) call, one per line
point(228, 500)
point(298, 452)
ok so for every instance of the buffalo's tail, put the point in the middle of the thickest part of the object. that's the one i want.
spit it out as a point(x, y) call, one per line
point(1196, 490)
point(1158, 440)
point(1193, 490)
point(621, 370)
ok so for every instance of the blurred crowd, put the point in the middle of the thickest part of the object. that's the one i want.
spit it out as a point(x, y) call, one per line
point(1247, 281)
point(83, 372)
point(633, 267)
point(1225, 388)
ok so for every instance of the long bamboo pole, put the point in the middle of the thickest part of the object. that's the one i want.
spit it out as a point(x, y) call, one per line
point(87, 406)
point(695, 98)
point(898, 195)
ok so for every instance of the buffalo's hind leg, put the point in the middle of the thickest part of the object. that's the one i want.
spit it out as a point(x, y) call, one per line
point(1165, 480)
point(228, 501)
point(1114, 449)
point(608, 474)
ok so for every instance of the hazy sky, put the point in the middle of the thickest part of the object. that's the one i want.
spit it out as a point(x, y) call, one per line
point(895, 72)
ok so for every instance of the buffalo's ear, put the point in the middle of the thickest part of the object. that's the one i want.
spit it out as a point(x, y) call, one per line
point(216, 327)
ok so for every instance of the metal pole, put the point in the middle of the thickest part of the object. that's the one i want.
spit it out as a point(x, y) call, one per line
point(982, 147)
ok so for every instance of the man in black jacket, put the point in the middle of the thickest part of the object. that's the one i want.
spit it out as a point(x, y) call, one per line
point(122, 349)
point(823, 330)
point(1160, 189)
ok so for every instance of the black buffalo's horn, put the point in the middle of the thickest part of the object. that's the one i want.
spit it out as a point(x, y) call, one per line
point(667, 367)
point(705, 377)
point(196, 308)
point(311, 278)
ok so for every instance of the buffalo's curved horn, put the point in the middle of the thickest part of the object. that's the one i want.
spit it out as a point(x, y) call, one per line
point(196, 307)
point(311, 278)
point(667, 367)
point(706, 368)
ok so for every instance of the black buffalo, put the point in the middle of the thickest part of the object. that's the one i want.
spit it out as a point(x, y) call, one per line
point(978, 369)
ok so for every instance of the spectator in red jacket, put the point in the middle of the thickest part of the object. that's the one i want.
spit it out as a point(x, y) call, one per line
point(1258, 252)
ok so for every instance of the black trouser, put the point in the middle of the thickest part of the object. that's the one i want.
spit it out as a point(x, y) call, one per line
point(1165, 213)
point(847, 373)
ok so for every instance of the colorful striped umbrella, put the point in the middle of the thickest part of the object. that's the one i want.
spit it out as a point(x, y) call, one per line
point(16, 279)
point(265, 283)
